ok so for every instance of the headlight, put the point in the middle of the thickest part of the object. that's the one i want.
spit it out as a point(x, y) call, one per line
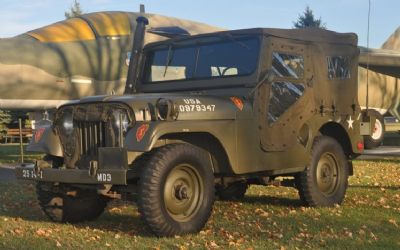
point(167, 110)
point(67, 121)
point(120, 119)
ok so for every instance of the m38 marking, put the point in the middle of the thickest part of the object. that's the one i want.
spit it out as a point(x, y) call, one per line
point(102, 177)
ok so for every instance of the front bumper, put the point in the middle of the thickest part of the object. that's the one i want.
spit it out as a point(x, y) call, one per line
point(75, 176)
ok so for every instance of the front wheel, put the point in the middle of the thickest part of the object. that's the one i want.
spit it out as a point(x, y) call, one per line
point(176, 190)
point(325, 180)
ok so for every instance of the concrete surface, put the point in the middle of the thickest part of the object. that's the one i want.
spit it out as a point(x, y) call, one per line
point(381, 152)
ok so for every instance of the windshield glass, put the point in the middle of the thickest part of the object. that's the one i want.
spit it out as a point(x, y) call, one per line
point(226, 58)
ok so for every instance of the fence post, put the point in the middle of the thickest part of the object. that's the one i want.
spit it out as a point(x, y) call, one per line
point(21, 148)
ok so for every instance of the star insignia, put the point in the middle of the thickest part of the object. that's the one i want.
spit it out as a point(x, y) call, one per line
point(350, 121)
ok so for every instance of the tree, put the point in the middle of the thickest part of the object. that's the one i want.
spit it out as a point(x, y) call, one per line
point(15, 115)
point(307, 19)
point(74, 11)
point(5, 119)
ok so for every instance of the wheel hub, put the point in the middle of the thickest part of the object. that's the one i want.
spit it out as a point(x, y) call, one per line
point(327, 174)
point(183, 192)
point(378, 130)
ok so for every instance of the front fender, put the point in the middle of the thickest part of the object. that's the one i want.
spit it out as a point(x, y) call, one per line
point(46, 141)
point(223, 130)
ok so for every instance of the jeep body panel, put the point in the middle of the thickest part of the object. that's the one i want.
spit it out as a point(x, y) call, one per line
point(46, 141)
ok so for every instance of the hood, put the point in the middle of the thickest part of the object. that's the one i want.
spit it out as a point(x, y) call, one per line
point(191, 107)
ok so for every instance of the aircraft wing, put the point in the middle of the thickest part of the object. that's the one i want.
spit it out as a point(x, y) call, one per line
point(381, 61)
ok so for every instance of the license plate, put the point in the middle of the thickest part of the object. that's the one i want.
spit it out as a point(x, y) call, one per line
point(31, 174)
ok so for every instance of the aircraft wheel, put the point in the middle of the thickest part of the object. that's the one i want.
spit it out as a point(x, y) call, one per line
point(376, 139)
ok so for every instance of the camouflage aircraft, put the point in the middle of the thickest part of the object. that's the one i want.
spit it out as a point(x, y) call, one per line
point(383, 88)
point(88, 55)
point(78, 57)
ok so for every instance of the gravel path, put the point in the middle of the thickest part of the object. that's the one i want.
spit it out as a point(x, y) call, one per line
point(7, 174)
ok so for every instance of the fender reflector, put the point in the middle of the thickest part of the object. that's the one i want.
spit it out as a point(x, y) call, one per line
point(39, 133)
point(141, 131)
point(238, 102)
point(360, 146)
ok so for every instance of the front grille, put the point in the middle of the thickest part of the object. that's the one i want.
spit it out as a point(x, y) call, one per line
point(92, 135)
point(94, 127)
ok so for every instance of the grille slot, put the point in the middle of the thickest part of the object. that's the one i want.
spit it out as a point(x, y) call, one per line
point(92, 136)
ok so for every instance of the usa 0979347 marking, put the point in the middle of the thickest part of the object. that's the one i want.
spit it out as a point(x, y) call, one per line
point(195, 105)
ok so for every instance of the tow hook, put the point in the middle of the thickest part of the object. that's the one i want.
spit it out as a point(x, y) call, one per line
point(93, 168)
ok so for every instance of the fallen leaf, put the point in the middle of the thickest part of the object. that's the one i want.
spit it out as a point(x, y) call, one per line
point(58, 244)
point(393, 222)
point(18, 231)
point(213, 245)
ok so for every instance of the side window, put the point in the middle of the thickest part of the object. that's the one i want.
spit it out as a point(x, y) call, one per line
point(282, 96)
point(229, 58)
point(338, 67)
point(287, 65)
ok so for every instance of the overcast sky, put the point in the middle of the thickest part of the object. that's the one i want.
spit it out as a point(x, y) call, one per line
point(18, 16)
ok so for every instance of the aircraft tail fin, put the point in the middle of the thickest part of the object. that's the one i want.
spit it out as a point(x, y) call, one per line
point(393, 42)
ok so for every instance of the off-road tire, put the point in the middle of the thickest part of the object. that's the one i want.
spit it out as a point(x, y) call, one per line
point(65, 204)
point(232, 192)
point(376, 139)
point(177, 177)
point(325, 180)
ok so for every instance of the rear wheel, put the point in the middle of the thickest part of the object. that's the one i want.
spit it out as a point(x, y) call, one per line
point(62, 203)
point(376, 139)
point(325, 180)
point(176, 190)
point(234, 191)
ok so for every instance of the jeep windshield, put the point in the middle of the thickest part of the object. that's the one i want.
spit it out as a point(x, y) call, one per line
point(212, 57)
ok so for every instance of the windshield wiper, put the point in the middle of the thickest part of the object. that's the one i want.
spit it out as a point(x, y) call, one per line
point(169, 59)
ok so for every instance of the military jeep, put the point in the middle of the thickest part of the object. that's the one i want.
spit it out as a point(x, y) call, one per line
point(205, 116)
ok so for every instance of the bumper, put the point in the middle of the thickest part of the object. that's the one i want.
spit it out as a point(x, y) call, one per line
point(76, 176)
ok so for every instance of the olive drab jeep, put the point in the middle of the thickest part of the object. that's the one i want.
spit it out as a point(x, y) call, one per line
point(205, 116)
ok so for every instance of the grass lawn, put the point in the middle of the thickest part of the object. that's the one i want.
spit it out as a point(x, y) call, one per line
point(268, 218)
point(10, 154)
